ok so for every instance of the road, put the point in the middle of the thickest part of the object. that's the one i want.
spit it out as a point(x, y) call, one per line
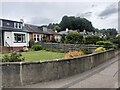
point(103, 76)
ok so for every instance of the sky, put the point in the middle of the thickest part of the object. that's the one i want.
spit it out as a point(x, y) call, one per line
point(102, 14)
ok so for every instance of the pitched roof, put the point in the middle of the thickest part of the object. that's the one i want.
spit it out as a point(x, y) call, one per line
point(37, 29)
point(11, 29)
point(32, 28)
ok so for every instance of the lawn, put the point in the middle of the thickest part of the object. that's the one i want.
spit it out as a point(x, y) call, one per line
point(41, 55)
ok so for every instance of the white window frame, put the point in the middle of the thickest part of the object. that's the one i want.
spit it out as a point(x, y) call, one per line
point(18, 25)
point(23, 39)
point(15, 25)
point(36, 36)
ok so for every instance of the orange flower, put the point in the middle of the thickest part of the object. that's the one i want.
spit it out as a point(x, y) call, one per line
point(73, 54)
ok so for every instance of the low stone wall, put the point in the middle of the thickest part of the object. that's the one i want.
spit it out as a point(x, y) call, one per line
point(24, 73)
point(66, 47)
point(4, 49)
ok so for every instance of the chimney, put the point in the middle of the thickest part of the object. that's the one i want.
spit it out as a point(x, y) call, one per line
point(21, 20)
point(44, 29)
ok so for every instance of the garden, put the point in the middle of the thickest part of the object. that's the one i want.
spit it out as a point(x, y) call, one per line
point(37, 53)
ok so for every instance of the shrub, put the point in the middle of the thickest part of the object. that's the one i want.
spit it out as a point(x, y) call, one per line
point(91, 39)
point(106, 44)
point(31, 43)
point(73, 54)
point(86, 50)
point(100, 42)
point(13, 57)
point(36, 47)
point(74, 38)
point(99, 49)
point(63, 38)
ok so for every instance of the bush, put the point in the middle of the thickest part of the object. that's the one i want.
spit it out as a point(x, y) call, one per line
point(36, 47)
point(106, 44)
point(99, 49)
point(73, 54)
point(31, 43)
point(116, 40)
point(74, 38)
point(91, 39)
point(86, 50)
point(13, 57)
point(100, 42)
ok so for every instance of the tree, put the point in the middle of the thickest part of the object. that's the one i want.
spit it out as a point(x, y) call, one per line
point(76, 23)
point(110, 32)
point(91, 39)
point(74, 38)
point(54, 27)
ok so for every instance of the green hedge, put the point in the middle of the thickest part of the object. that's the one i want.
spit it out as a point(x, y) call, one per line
point(36, 47)
point(74, 38)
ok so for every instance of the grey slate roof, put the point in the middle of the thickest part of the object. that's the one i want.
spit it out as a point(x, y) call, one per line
point(37, 29)
point(32, 28)
point(11, 29)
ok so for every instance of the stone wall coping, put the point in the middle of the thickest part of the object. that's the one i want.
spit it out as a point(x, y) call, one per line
point(72, 44)
point(54, 60)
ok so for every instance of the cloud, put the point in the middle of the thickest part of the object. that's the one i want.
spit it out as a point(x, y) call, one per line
point(86, 14)
point(40, 20)
point(108, 11)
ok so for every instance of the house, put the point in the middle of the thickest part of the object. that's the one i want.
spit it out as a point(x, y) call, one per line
point(34, 32)
point(12, 34)
point(41, 33)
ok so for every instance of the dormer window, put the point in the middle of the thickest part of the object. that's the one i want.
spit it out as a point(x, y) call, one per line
point(8, 24)
point(18, 25)
point(15, 25)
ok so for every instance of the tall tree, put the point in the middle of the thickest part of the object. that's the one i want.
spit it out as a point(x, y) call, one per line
point(76, 23)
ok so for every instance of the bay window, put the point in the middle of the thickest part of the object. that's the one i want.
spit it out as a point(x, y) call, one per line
point(19, 38)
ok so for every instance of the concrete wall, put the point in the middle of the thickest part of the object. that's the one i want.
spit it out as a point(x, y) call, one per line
point(66, 47)
point(23, 73)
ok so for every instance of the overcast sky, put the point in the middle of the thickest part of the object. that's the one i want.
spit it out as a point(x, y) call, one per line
point(101, 14)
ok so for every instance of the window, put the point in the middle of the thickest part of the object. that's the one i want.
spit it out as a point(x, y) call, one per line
point(37, 37)
point(8, 24)
point(34, 37)
point(15, 25)
point(19, 38)
point(20, 25)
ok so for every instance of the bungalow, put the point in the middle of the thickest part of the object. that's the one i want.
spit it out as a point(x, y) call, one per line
point(41, 33)
point(14, 35)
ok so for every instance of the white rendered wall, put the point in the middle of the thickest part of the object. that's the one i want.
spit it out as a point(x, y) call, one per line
point(9, 38)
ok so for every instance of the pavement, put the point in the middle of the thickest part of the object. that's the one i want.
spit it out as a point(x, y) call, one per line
point(102, 76)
